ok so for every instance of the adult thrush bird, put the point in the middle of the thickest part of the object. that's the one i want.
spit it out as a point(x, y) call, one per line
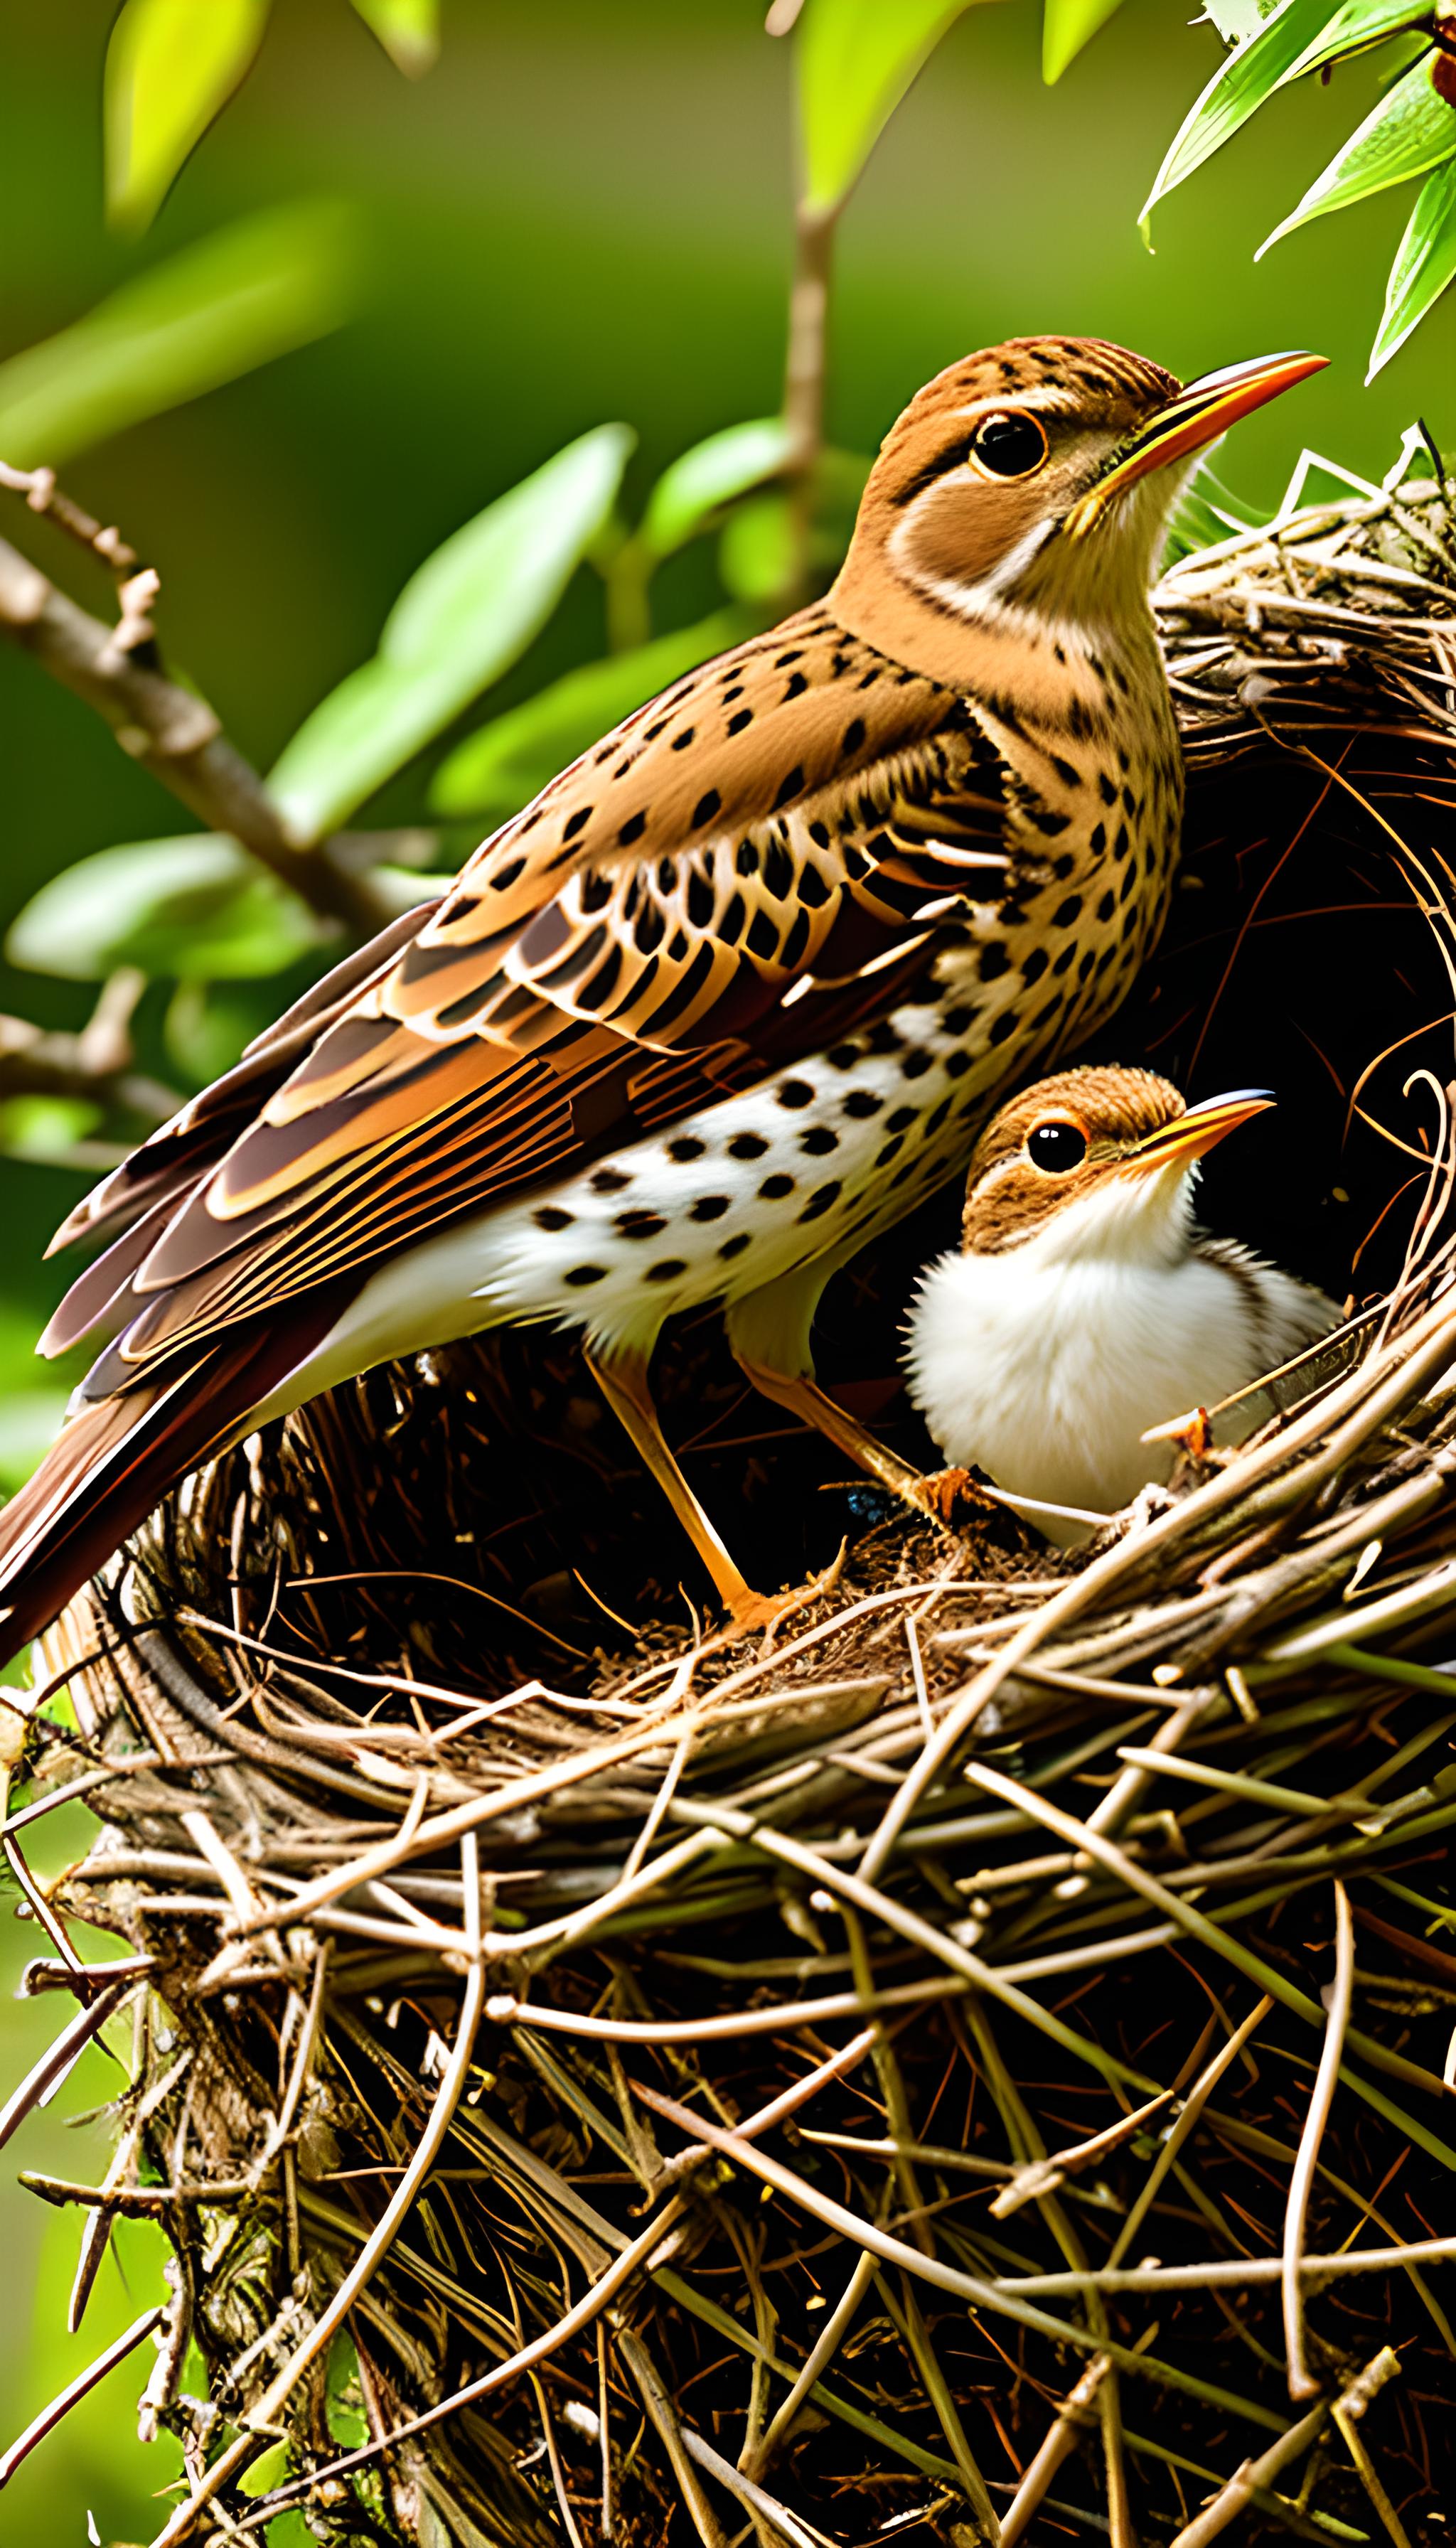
point(1086, 1307)
point(725, 1000)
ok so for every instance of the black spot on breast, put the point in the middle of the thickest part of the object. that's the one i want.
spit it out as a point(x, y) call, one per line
point(1034, 965)
point(551, 1216)
point(763, 936)
point(1003, 1026)
point(667, 1270)
point(648, 929)
point(777, 869)
point(595, 993)
point(578, 823)
point(640, 1224)
point(813, 891)
point(902, 1118)
point(793, 689)
point(795, 1092)
point(700, 901)
point(819, 835)
point(746, 858)
point(1123, 841)
point(705, 808)
point(956, 1022)
point(678, 945)
point(818, 1139)
point(854, 739)
point(609, 1180)
point(794, 655)
point(890, 1150)
point(595, 891)
point(915, 1065)
point(1066, 912)
point(586, 1274)
point(632, 830)
point(883, 1038)
point(709, 1208)
point(1065, 959)
point(796, 941)
point(682, 741)
point(1046, 821)
point(1085, 967)
point(1107, 906)
point(789, 787)
point(936, 1118)
point(1045, 1016)
point(820, 1201)
point(742, 718)
point(686, 1145)
point(1107, 788)
point(994, 960)
point(746, 1146)
point(730, 927)
point(774, 1187)
point(500, 882)
point(862, 1101)
point(735, 1246)
point(1067, 771)
point(958, 1063)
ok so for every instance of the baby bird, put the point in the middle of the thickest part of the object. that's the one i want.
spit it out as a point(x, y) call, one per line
point(1086, 1306)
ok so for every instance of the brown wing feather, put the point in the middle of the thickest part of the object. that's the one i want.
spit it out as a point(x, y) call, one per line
point(694, 901)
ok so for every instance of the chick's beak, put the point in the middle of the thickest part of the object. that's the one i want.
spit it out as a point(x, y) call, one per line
point(1190, 418)
point(1189, 1134)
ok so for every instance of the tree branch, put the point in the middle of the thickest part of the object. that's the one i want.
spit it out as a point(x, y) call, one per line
point(169, 730)
point(804, 374)
point(94, 1064)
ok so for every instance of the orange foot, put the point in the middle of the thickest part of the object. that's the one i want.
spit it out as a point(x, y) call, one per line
point(939, 1494)
point(760, 1613)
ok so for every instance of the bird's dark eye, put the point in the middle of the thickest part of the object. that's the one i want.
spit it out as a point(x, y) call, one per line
point(1009, 445)
point(1056, 1148)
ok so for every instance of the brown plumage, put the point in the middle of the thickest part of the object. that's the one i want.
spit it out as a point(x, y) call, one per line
point(921, 832)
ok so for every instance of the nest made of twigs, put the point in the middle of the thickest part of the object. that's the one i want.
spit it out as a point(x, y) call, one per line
point(891, 2085)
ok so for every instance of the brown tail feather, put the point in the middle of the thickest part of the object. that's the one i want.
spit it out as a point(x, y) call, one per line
point(116, 1458)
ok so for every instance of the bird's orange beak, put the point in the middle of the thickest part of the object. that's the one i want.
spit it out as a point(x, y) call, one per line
point(1192, 417)
point(1189, 1134)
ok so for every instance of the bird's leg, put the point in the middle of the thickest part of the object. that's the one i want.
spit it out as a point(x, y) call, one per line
point(804, 1398)
point(624, 1384)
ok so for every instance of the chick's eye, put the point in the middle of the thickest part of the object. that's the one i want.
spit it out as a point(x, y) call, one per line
point(1009, 445)
point(1055, 1147)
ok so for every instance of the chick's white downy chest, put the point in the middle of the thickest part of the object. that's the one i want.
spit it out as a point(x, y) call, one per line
point(1045, 1372)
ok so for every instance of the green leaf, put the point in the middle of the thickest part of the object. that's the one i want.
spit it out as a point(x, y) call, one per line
point(409, 29)
point(703, 480)
point(197, 908)
point(855, 60)
point(758, 553)
point(269, 2469)
point(505, 763)
point(1352, 27)
point(1412, 129)
point(1425, 262)
point(1066, 26)
point(460, 622)
point(170, 65)
point(237, 300)
point(1237, 91)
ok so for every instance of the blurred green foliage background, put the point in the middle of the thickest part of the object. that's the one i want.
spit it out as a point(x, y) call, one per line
point(582, 213)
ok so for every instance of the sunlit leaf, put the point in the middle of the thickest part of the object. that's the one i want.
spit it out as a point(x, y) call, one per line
point(268, 2470)
point(758, 553)
point(460, 622)
point(30, 1420)
point(507, 762)
point(197, 908)
point(409, 29)
point(237, 300)
point(169, 66)
point(703, 480)
point(1237, 91)
point(43, 1129)
point(1349, 29)
point(1425, 262)
point(1237, 20)
point(1066, 26)
point(1411, 130)
point(855, 60)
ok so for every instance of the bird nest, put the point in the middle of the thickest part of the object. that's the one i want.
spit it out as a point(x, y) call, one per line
point(975, 2070)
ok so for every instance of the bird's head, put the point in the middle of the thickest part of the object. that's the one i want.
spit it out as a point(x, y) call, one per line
point(1029, 485)
point(1096, 1163)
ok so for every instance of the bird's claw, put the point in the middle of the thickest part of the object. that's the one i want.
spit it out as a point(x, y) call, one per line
point(939, 1494)
point(760, 1613)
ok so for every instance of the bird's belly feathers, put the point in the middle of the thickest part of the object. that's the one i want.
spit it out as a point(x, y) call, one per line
point(1045, 1375)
